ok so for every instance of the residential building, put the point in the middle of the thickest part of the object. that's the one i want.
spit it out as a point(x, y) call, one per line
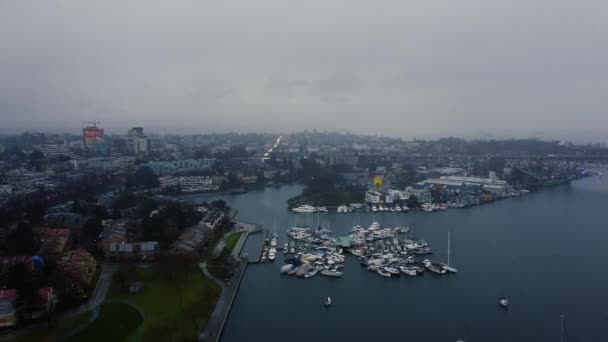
point(188, 183)
point(147, 250)
point(138, 143)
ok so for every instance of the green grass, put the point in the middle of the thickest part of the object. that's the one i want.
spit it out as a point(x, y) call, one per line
point(165, 319)
point(115, 322)
point(231, 241)
point(61, 329)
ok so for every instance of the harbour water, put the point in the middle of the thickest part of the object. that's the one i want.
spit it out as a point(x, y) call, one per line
point(545, 250)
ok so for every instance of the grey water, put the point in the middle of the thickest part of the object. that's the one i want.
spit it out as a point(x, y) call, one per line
point(546, 250)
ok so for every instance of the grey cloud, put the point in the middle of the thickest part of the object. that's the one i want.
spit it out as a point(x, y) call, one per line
point(420, 69)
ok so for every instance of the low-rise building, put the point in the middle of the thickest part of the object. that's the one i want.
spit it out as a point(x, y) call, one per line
point(147, 250)
point(373, 197)
point(47, 299)
point(249, 179)
point(188, 183)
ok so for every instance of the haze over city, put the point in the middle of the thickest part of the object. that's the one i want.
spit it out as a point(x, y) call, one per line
point(473, 69)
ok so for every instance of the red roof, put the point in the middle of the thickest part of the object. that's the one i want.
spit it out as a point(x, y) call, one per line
point(8, 294)
point(44, 293)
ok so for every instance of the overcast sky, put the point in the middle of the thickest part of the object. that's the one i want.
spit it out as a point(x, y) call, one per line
point(468, 68)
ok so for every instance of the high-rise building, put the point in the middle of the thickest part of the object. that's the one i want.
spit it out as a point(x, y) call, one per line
point(92, 135)
point(138, 142)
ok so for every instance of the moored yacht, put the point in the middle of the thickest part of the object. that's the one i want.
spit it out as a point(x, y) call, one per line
point(408, 270)
point(304, 209)
point(384, 272)
point(435, 268)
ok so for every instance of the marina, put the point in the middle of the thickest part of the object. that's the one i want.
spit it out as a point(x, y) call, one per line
point(385, 251)
point(492, 246)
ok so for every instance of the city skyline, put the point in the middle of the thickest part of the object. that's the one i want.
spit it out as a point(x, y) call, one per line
point(411, 70)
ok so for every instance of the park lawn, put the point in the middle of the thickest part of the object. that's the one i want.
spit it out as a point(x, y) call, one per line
point(115, 322)
point(159, 302)
point(231, 241)
point(63, 328)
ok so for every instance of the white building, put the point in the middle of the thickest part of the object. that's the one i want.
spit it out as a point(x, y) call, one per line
point(189, 183)
point(423, 196)
point(372, 196)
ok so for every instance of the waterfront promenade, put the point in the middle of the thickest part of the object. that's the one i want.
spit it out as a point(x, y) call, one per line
point(217, 320)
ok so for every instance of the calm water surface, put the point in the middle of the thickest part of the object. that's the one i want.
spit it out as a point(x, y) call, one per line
point(547, 251)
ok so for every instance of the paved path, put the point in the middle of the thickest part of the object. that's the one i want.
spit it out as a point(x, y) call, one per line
point(99, 293)
point(211, 331)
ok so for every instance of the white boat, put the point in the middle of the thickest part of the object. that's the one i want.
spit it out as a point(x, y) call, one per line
point(327, 301)
point(342, 209)
point(304, 209)
point(428, 207)
point(392, 270)
point(398, 208)
point(504, 302)
point(313, 272)
point(292, 250)
point(286, 268)
point(384, 273)
point(322, 209)
point(405, 208)
point(271, 256)
point(408, 270)
point(332, 273)
point(374, 208)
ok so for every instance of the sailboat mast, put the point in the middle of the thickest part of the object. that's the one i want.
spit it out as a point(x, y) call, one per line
point(561, 334)
point(448, 248)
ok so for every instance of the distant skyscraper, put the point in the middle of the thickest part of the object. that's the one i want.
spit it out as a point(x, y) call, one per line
point(91, 134)
point(138, 142)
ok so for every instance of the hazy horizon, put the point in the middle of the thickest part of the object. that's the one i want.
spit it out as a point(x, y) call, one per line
point(472, 69)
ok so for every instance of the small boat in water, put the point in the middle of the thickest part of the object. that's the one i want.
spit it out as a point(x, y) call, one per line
point(304, 209)
point(327, 301)
point(313, 272)
point(384, 272)
point(392, 270)
point(286, 268)
point(504, 302)
point(408, 270)
point(332, 273)
point(435, 268)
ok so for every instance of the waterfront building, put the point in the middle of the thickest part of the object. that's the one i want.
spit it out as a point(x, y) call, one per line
point(373, 197)
point(423, 195)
